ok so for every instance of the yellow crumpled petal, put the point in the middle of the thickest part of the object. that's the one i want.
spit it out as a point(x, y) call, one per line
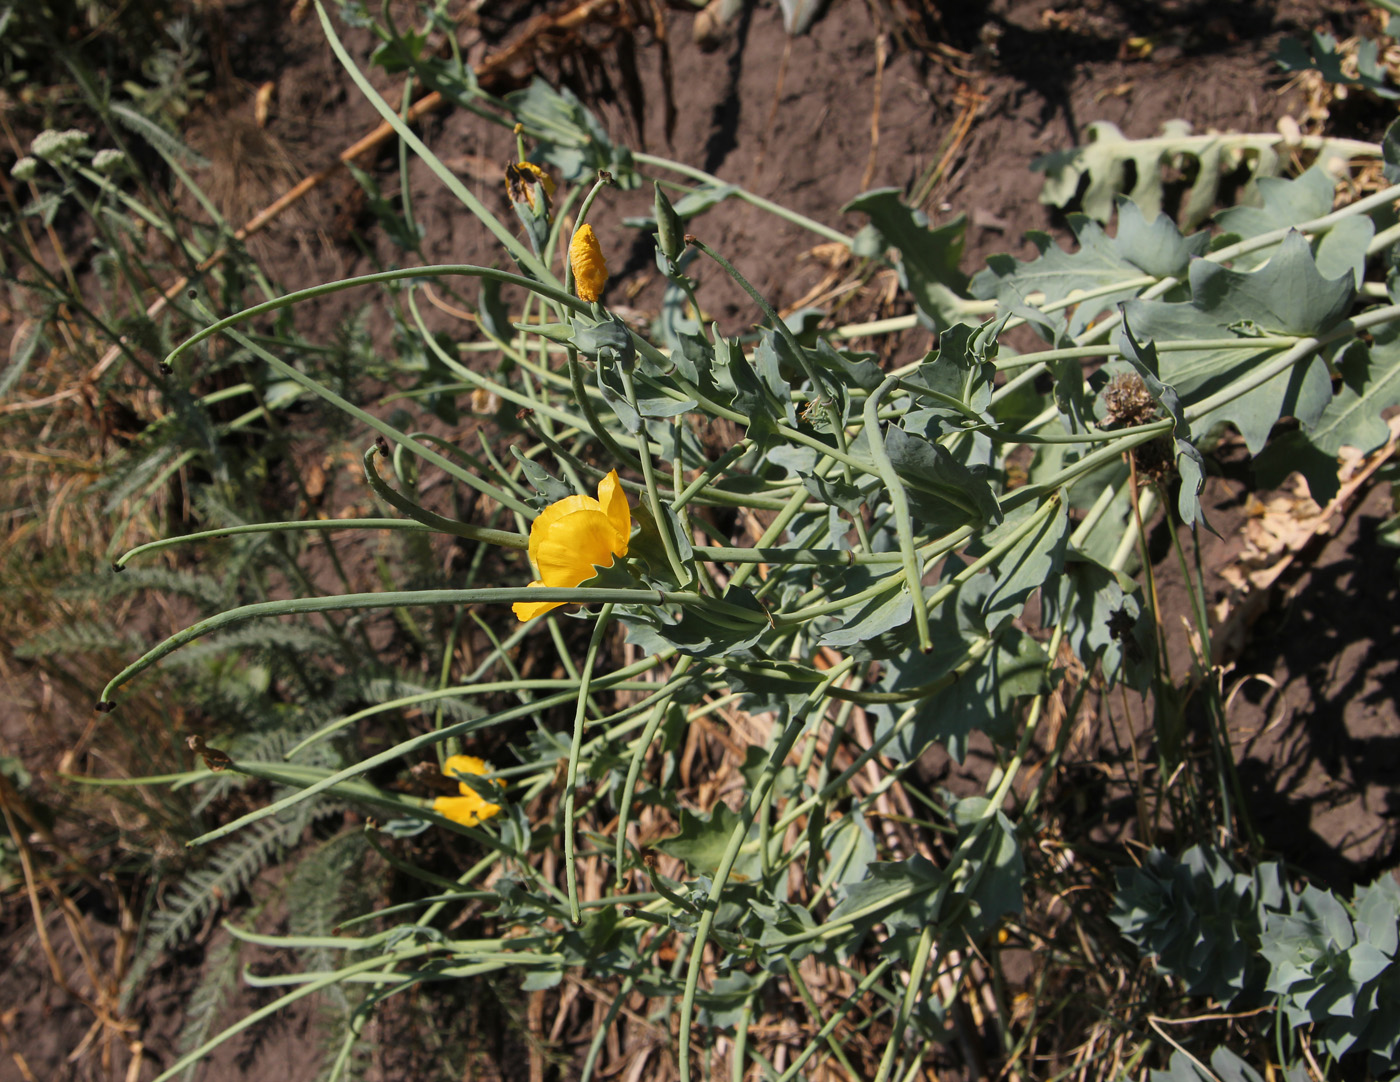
point(521, 178)
point(573, 536)
point(589, 267)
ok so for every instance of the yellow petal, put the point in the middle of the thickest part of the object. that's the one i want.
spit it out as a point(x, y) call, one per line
point(467, 810)
point(464, 764)
point(528, 610)
point(574, 545)
point(614, 503)
point(539, 174)
point(544, 522)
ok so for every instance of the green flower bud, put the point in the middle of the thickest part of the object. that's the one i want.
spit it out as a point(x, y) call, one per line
point(670, 230)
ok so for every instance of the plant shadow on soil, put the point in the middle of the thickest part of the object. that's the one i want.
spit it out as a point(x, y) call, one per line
point(792, 120)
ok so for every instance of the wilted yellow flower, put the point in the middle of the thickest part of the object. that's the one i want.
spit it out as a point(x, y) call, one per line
point(521, 179)
point(586, 259)
point(574, 536)
point(471, 808)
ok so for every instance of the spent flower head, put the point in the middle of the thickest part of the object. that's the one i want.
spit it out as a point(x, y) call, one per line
point(521, 178)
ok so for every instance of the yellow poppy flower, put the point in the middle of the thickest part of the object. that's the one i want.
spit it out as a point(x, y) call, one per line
point(573, 537)
point(589, 266)
point(471, 808)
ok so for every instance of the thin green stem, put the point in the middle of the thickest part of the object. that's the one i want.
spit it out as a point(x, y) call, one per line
point(899, 503)
point(600, 628)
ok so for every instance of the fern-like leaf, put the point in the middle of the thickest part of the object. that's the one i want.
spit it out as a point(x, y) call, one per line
point(164, 143)
point(1102, 164)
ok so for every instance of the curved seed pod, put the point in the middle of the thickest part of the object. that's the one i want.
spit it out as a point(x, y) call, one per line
point(586, 260)
point(670, 230)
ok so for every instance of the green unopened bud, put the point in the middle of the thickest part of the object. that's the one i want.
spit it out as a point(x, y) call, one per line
point(57, 146)
point(670, 230)
point(25, 169)
point(108, 161)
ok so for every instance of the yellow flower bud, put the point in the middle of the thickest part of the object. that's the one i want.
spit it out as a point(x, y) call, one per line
point(573, 537)
point(586, 259)
point(471, 808)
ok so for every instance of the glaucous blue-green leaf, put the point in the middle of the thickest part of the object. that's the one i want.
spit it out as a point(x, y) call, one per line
point(703, 838)
point(1309, 953)
point(1103, 158)
point(1113, 268)
point(1225, 1066)
point(990, 877)
point(1201, 920)
point(596, 935)
point(1370, 385)
point(853, 369)
point(1378, 915)
point(943, 493)
point(983, 699)
point(830, 488)
point(1008, 665)
point(1286, 203)
point(744, 390)
point(702, 633)
point(1294, 451)
point(1286, 297)
point(1342, 249)
point(957, 371)
point(769, 358)
point(694, 358)
point(569, 137)
point(899, 894)
point(850, 847)
point(1323, 55)
point(608, 338)
point(549, 487)
point(652, 399)
point(929, 263)
point(1035, 560)
point(776, 921)
point(1390, 153)
point(1155, 245)
point(867, 620)
point(1282, 203)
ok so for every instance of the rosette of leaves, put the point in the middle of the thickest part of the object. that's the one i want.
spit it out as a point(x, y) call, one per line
point(1225, 1066)
point(1337, 971)
point(1201, 920)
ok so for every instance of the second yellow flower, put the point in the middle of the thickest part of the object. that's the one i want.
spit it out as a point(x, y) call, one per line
point(573, 537)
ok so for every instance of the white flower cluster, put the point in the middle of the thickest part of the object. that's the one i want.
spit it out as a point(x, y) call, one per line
point(25, 169)
point(56, 146)
point(108, 161)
